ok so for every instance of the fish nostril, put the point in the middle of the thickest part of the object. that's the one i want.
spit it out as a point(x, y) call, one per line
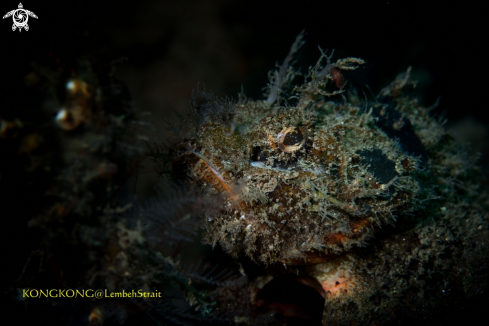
point(258, 155)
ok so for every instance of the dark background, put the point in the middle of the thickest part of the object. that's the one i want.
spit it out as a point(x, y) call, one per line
point(171, 46)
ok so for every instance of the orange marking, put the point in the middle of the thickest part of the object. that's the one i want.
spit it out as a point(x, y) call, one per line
point(220, 179)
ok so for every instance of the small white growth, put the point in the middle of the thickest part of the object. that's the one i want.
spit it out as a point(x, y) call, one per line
point(62, 114)
point(70, 85)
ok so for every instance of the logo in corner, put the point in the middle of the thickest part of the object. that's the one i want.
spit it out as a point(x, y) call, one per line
point(20, 17)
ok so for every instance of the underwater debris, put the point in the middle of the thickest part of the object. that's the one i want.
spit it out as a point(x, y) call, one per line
point(69, 153)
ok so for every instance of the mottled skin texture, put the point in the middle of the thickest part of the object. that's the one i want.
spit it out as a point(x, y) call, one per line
point(318, 200)
point(376, 200)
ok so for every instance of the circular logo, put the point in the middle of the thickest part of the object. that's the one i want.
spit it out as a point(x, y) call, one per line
point(20, 18)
